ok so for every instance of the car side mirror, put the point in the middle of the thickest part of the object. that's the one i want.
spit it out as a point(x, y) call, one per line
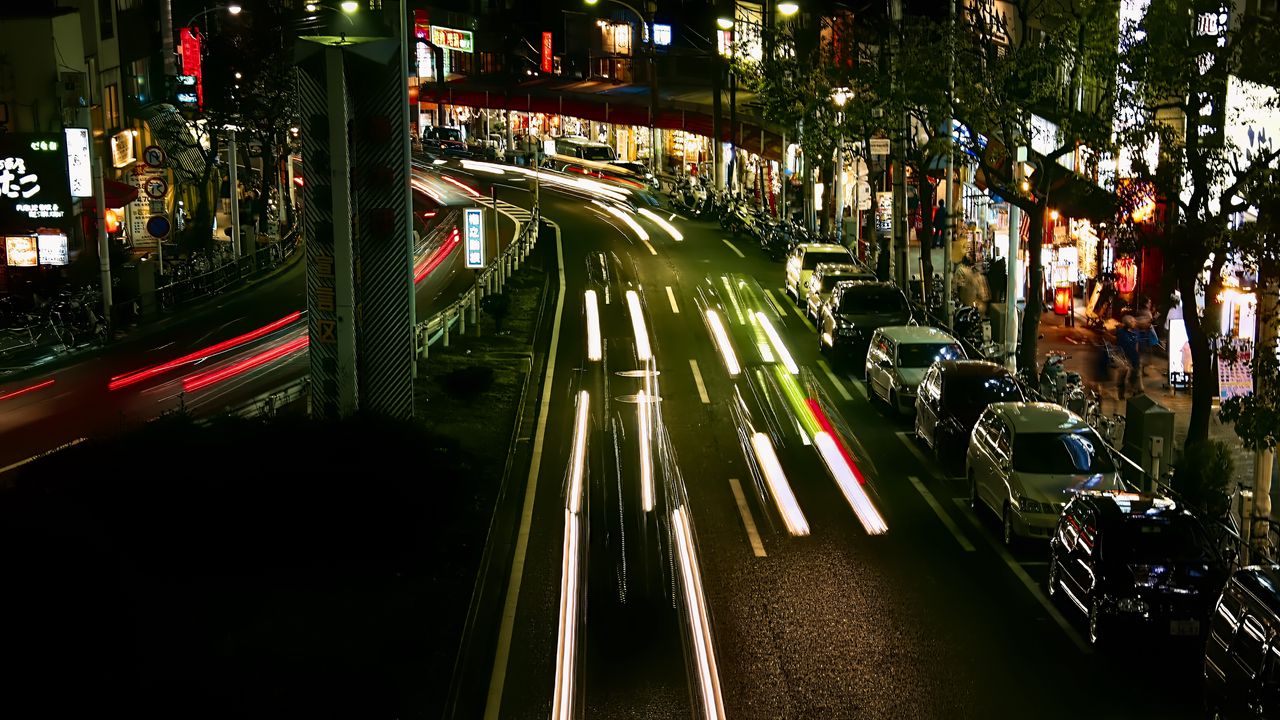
point(886, 364)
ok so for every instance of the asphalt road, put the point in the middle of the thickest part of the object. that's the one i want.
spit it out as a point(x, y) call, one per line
point(931, 619)
point(207, 364)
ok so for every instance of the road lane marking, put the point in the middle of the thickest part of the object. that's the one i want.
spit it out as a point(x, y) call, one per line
point(777, 305)
point(803, 319)
point(651, 250)
point(1032, 586)
point(672, 297)
point(942, 514)
point(735, 250)
point(697, 379)
point(861, 388)
point(493, 703)
point(757, 547)
point(834, 380)
point(907, 439)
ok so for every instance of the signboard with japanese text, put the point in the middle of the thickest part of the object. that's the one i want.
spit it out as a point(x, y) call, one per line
point(474, 227)
point(20, 252)
point(884, 213)
point(451, 39)
point(546, 52)
point(53, 249)
point(34, 188)
point(1235, 374)
point(661, 35)
point(79, 165)
point(190, 44)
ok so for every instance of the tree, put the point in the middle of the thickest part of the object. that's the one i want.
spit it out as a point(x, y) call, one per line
point(1056, 60)
point(1174, 69)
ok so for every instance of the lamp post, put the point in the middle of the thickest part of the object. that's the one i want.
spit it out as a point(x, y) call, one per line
point(840, 96)
point(651, 51)
point(727, 24)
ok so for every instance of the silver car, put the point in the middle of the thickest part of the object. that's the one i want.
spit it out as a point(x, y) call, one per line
point(823, 281)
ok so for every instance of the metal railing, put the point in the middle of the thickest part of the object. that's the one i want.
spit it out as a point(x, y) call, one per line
point(489, 281)
point(223, 273)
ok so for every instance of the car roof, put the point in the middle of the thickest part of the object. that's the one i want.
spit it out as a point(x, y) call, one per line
point(865, 283)
point(915, 334)
point(823, 247)
point(1038, 416)
point(841, 268)
point(1125, 505)
point(971, 368)
point(1263, 582)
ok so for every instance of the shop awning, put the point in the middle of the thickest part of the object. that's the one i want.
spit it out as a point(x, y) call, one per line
point(1069, 193)
point(117, 194)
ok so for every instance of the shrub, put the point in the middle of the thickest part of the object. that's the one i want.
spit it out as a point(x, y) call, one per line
point(1201, 474)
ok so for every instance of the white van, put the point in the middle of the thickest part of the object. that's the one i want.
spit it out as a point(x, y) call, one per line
point(584, 149)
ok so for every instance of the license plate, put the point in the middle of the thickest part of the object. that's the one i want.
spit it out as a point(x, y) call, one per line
point(1184, 627)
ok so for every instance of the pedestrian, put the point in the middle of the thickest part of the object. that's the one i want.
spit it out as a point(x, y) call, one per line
point(1145, 316)
point(1129, 340)
point(939, 223)
point(966, 285)
point(997, 278)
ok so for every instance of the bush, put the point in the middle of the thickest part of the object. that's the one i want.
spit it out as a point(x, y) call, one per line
point(1201, 474)
point(468, 382)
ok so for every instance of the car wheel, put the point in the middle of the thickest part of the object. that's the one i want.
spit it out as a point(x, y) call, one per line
point(1096, 620)
point(1053, 574)
point(1006, 527)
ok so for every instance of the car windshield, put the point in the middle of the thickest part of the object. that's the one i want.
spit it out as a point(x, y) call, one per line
point(920, 355)
point(1161, 539)
point(1079, 452)
point(813, 257)
point(979, 392)
point(872, 300)
point(446, 133)
point(595, 152)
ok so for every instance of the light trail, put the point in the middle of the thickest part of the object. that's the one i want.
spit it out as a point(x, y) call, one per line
point(136, 376)
point(700, 625)
point(662, 223)
point(578, 467)
point(843, 472)
point(624, 217)
point(783, 497)
point(427, 190)
point(594, 349)
point(643, 351)
point(643, 411)
point(567, 643)
point(205, 379)
point(776, 340)
point(484, 167)
point(431, 262)
point(721, 337)
point(458, 183)
point(25, 390)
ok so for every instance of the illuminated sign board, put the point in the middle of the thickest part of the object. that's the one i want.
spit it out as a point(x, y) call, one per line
point(52, 249)
point(474, 224)
point(78, 164)
point(451, 39)
point(20, 251)
point(190, 43)
point(546, 52)
point(34, 188)
point(661, 34)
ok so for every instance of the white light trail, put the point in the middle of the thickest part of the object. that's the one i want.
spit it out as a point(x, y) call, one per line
point(700, 625)
point(624, 217)
point(643, 411)
point(594, 351)
point(722, 343)
point(567, 643)
point(484, 167)
point(578, 468)
point(643, 351)
point(662, 223)
point(779, 488)
point(776, 340)
point(862, 506)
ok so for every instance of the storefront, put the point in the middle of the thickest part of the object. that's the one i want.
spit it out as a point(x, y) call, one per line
point(36, 212)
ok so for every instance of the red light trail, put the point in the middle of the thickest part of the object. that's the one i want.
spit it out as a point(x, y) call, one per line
point(205, 379)
point(25, 390)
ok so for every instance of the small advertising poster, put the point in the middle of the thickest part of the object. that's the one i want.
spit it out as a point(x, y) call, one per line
point(53, 249)
point(884, 213)
point(21, 251)
point(1235, 368)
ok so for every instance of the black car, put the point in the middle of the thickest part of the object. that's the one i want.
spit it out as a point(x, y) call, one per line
point(856, 309)
point(952, 395)
point(1133, 561)
point(1242, 655)
point(444, 140)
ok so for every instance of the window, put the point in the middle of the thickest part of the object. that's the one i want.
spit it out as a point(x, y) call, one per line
point(1249, 646)
point(490, 63)
point(122, 5)
point(922, 355)
point(104, 19)
point(111, 106)
point(138, 72)
point(1062, 453)
point(872, 299)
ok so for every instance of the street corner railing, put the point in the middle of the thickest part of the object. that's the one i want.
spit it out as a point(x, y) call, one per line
point(489, 281)
point(269, 403)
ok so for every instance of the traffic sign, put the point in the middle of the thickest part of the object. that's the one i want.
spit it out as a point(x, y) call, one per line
point(156, 187)
point(879, 146)
point(158, 226)
point(154, 156)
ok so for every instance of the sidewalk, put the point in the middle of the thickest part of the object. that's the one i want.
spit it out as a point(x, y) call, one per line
point(1082, 345)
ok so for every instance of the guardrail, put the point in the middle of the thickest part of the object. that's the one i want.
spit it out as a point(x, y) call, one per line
point(226, 274)
point(489, 281)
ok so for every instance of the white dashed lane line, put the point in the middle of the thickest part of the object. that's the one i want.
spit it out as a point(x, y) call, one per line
point(942, 514)
point(697, 379)
point(671, 296)
point(733, 247)
point(757, 547)
point(826, 369)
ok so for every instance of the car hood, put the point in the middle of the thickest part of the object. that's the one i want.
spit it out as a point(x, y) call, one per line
point(1060, 488)
point(1177, 577)
point(911, 377)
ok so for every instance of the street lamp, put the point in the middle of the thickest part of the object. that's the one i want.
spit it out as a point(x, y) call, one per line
point(840, 96)
point(787, 9)
point(646, 31)
point(724, 23)
point(349, 6)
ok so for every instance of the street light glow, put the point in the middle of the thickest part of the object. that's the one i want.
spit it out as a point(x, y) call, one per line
point(724, 23)
point(234, 8)
point(591, 2)
point(349, 6)
point(787, 9)
point(311, 7)
point(841, 95)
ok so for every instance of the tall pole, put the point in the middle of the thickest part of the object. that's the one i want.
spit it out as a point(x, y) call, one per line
point(1268, 331)
point(898, 269)
point(1011, 285)
point(717, 124)
point(235, 195)
point(733, 122)
point(952, 210)
point(104, 247)
point(839, 204)
point(343, 240)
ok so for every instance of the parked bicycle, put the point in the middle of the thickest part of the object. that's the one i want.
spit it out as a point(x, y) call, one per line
point(74, 317)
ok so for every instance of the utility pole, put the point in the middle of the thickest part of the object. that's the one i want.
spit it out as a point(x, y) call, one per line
point(1268, 332)
point(898, 265)
point(952, 211)
point(1011, 323)
point(235, 195)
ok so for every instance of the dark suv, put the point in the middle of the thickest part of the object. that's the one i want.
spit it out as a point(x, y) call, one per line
point(1135, 559)
point(445, 140)
point(857, 308)
point(1242, 655)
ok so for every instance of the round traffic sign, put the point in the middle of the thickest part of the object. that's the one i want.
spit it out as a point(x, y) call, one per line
point(154, 156)
point(158, 226)
point(157, 187)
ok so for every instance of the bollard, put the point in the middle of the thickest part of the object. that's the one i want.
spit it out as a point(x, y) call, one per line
point(426, 341)
point(462, 318)
point(475, 310)
point(445, 330)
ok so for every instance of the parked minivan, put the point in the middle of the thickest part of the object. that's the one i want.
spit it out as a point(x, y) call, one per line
point(584, 149)
point(1242, 654)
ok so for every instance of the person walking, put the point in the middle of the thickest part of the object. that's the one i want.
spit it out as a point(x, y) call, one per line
point(1129, 340)
point(965, 282)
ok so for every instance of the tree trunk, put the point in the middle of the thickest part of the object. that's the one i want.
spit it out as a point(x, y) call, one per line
point(1028, 351)
point(924, 191)
point(1204, 372)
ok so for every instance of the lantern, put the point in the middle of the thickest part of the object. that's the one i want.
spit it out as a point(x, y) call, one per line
point(1126, 274)
point(1062, 300)
point(112, 221)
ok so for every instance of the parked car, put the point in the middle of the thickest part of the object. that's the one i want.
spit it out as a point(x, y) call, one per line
point(1242, 653)
point(897, 358)
point(823, 281)
point(804, 259)
point(1026, 459)
point(856, 309)
point(1134, 561)
point(953, 394)
point(445, 140)
point(637, 171)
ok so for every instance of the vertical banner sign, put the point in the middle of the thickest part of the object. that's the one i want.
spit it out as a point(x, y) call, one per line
point(78, 163)
point(474, 221)
point(546, 52)
point(191, 60)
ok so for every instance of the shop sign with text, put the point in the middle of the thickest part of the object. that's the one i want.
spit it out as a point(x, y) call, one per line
point(34, 189)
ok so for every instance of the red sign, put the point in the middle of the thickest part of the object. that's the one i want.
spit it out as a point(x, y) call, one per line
point(421, 24)
point(190, 43)
point(546, 52)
